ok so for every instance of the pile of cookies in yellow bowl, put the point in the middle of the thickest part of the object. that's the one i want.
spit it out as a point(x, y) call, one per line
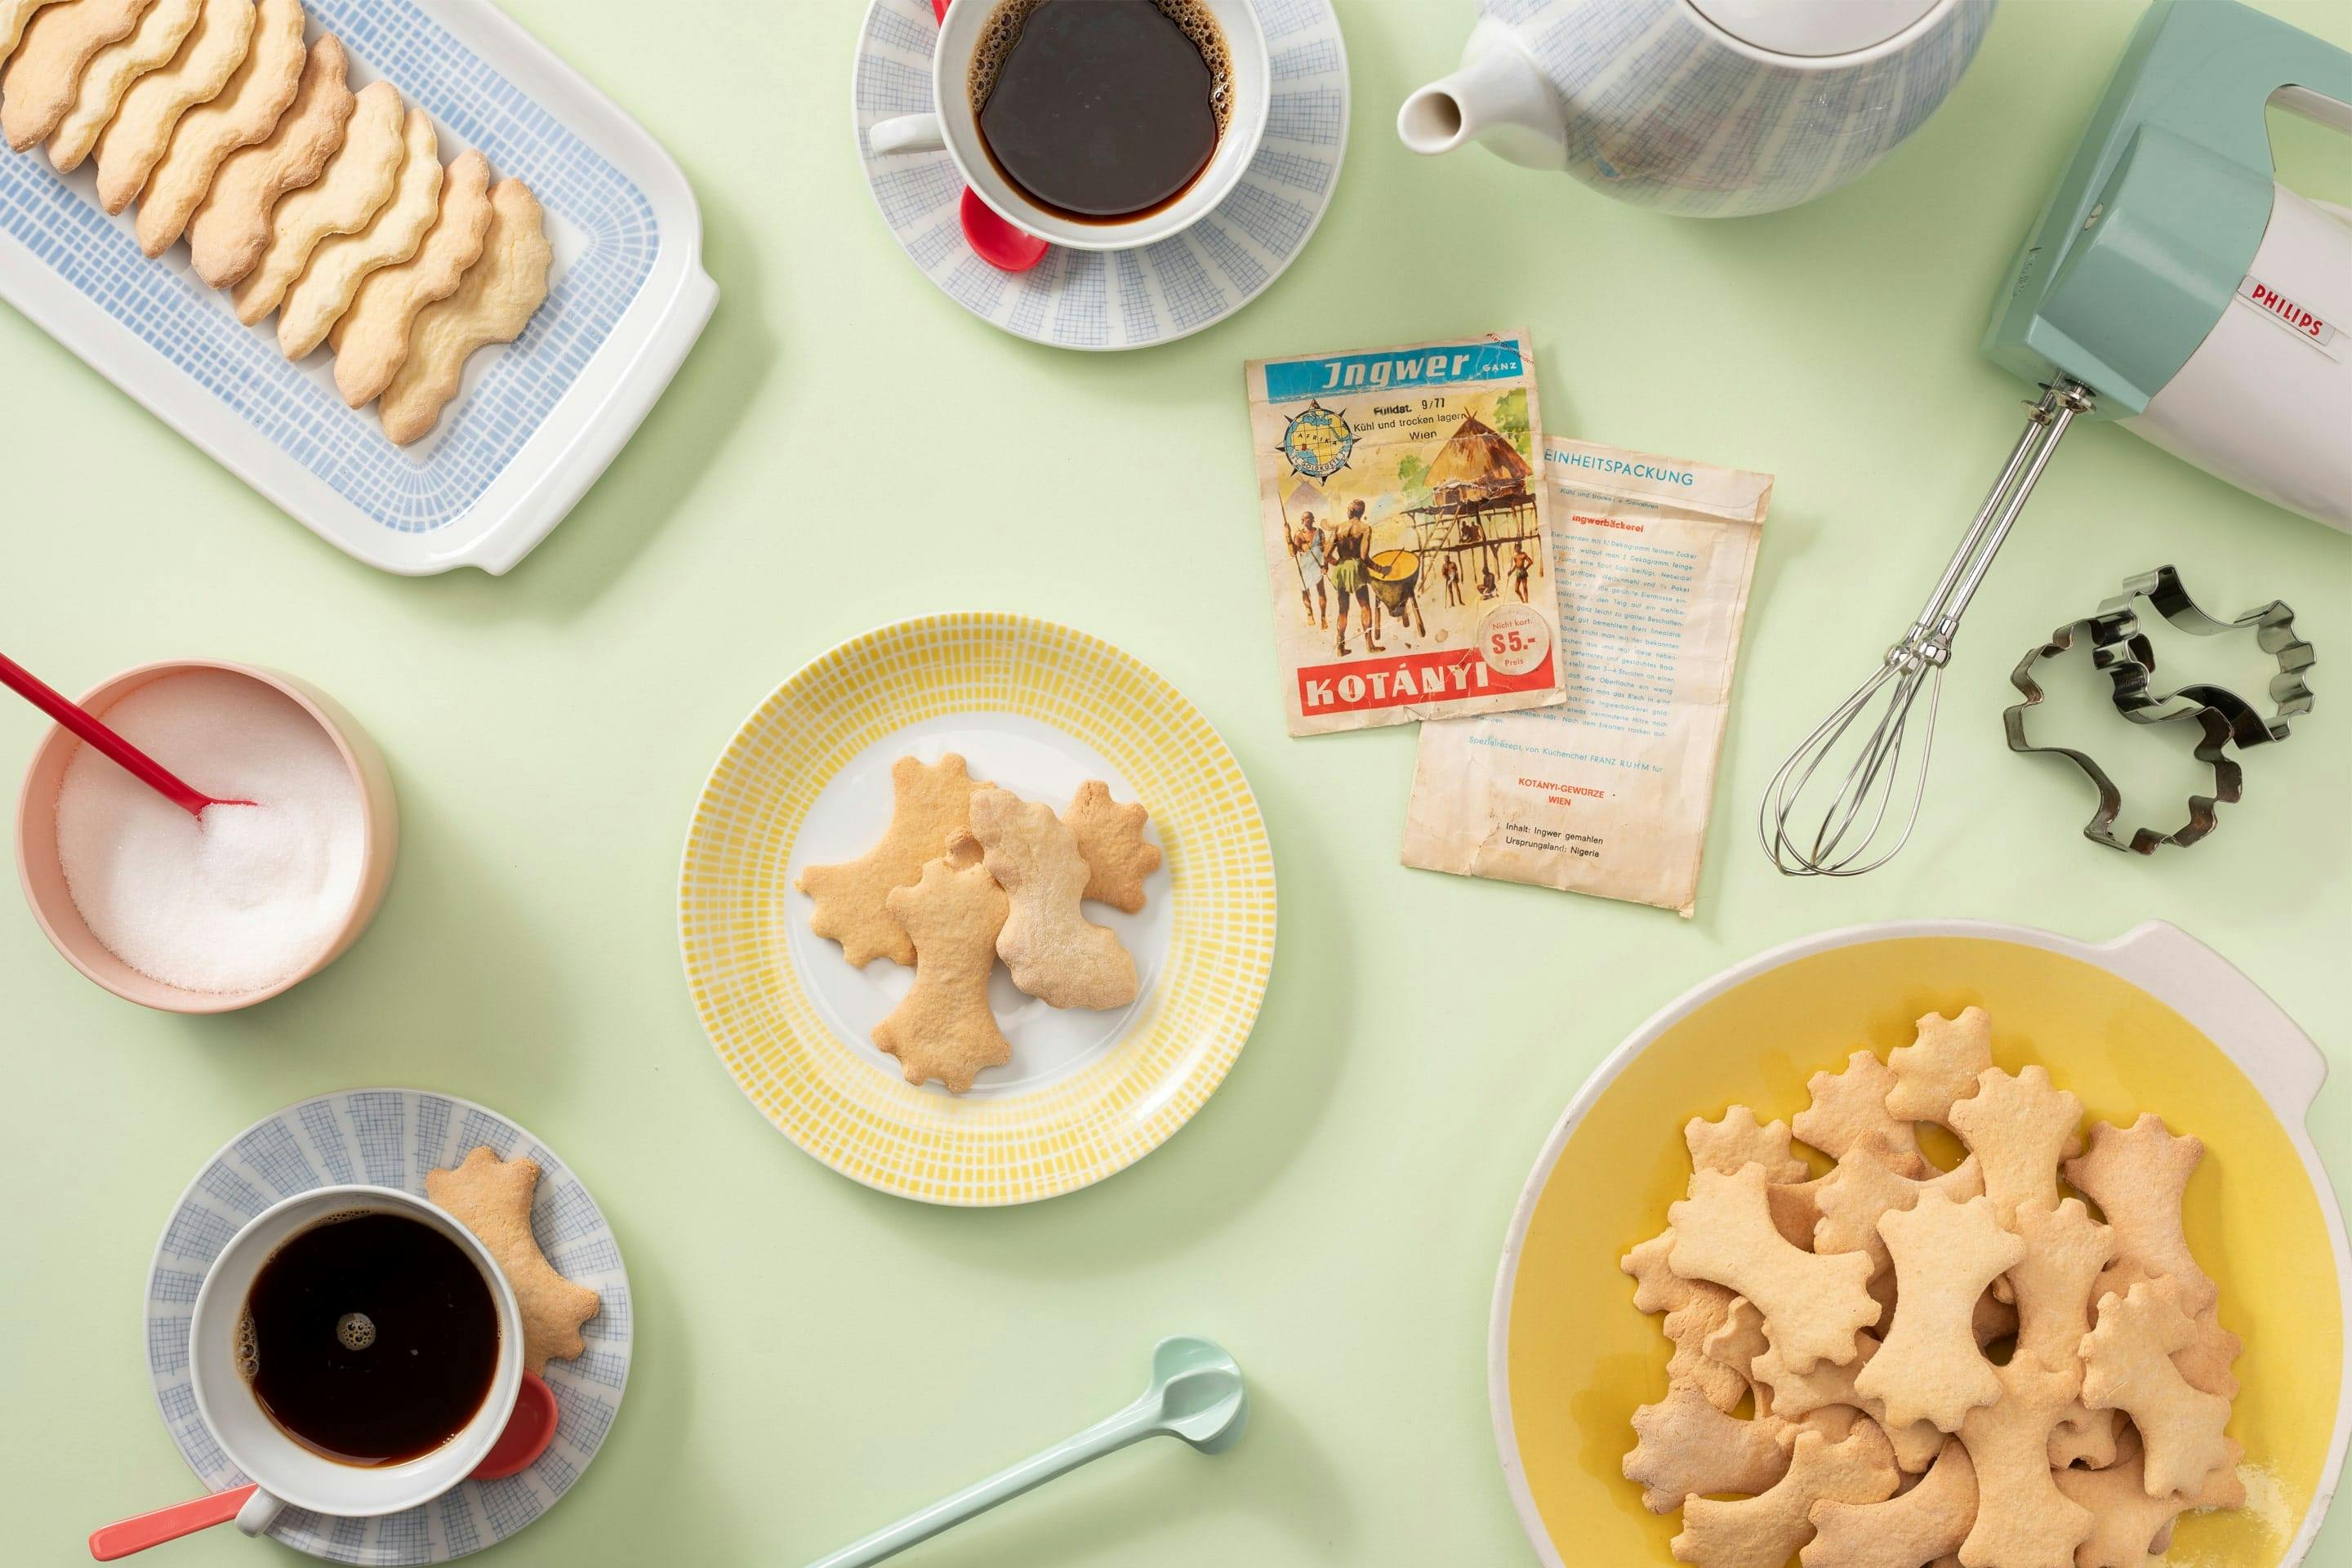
point(1967, 1250)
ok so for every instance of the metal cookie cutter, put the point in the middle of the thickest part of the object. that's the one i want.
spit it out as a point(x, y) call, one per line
point(2214, 727)
point(2122, 651)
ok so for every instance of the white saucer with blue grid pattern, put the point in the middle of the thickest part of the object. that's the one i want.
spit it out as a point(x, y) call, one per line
point(391, 1137)
point(1118, 298)
point(538, 420)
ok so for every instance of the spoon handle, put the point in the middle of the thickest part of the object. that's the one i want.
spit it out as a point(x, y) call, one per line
point(127, 1536)
point(128, 757)
point(1138, 1421)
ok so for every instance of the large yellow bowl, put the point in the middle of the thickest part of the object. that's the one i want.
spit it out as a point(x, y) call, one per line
point(2154, 1021)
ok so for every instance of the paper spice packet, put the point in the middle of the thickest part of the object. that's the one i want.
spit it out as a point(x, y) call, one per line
point(1608, 793)
point(1405, 532)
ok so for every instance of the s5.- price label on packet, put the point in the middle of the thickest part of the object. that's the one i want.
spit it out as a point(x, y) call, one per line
point(1407, 538)
point(1513, 639)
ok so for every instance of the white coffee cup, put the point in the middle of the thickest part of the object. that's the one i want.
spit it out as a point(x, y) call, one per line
point(953, 126)
point(284, 1471)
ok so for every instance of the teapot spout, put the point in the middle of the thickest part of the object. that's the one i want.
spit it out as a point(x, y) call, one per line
point(1498, 97)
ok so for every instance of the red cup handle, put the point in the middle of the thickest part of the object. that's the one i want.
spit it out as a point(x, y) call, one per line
point(121, 1539)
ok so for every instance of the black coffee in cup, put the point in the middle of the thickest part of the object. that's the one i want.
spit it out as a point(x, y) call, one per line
point(1101, 111)
point(370, 1338)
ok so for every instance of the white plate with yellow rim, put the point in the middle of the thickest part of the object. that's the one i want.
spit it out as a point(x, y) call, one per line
point(1038, 708)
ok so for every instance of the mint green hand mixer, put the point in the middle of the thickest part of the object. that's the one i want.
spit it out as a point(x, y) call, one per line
point(2171, 284)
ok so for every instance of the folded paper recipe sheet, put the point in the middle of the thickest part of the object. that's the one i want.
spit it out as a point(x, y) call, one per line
point(1405, 532)
point(1609, 792)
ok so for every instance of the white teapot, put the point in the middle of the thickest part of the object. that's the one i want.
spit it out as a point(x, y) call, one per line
point(1707, 108)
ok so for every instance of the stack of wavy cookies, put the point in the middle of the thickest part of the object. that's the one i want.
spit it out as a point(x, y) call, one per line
point(327, 206)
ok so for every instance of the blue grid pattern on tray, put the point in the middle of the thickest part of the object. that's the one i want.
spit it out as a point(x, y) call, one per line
point(457, 1524)
point(1280, 18)
point(612, 1319)
point(510, 1504)
point(168, 309)
point(175, 1286)
point(1135, 316)
point(1305, 59)
point(400, 1535)
point(327, 1137)
point(198, 1234)
point(432, 1130)
point(477, 1130)
point(581, 1419)
point(909, 187)
point(1278, 224)
point(270, 1153)
point(1232, 257)
point(167, 1344)
point(344, 1538)
point(382, 1121)
point(231, 1191)
point(1084, 318)
point(1193, 296)
point(1313, 115)
point(1036, 295)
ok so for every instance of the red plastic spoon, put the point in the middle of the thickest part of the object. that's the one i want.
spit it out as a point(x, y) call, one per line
point(125, 755)
point(1002, 245)
point(528, 1433)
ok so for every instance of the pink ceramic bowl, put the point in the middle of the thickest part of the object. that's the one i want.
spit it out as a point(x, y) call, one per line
point(45, 882)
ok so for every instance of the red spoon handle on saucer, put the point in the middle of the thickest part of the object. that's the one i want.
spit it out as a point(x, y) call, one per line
point(121, 1539)
point(128, 757)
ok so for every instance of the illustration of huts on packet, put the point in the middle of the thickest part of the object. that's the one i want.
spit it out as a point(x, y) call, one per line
point(1407, 540)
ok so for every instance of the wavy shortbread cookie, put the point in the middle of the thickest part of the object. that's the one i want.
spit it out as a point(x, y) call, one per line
point(2128, 1365)
point(344, 261)
point(1814, 1306)
point(1867, 1187)
point(2019, 1128)
point(1054, 951)
point(2084, 1436)
point(14, 15)
point(492, 1198)
point(371, 338)
point(110, 73)
point(942, 1028)
point(2126, 1522)
point(1765, 1530)
point(2065, 1249)
point(1110, 835)
point(247, 110)
point(356, 182)
point(2139, 1177)
point(1685, 1448)
point(491, 304)
point(38, 86)
point(930, 804)
point(1735, 1139)
point(132, 141)
point(1927, 1523)
point(1791, 1396)
point(2023, 1520)
point(1849, 1106)
point(1695, 1311)
point(1929, 1367)
point(231, 230)
point(1940, 1067)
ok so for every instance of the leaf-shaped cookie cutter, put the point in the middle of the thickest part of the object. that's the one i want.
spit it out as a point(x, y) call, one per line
point(2122, 653)
point(2126, 644)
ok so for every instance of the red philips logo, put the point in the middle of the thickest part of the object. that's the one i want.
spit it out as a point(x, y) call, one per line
point(1410, 678)
point(2299, 319)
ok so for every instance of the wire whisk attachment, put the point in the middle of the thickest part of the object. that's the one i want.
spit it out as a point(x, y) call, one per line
point(1884, 746)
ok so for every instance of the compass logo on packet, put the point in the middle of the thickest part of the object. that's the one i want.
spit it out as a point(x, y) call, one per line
point(1317, 441)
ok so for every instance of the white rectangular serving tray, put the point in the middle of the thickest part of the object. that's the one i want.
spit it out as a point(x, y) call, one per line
point(536, 421)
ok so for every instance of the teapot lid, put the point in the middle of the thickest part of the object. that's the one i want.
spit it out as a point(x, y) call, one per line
point(1814, 27)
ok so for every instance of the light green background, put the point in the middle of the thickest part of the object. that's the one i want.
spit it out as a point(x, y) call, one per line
point(847, 446)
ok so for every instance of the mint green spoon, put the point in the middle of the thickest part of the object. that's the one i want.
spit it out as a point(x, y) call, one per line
point(1196, 1395)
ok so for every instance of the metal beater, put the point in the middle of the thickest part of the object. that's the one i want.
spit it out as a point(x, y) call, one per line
point(1855, 818)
